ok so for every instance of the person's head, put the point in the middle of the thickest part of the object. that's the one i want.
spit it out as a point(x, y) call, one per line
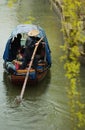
point(19, 36)
point(33, 33)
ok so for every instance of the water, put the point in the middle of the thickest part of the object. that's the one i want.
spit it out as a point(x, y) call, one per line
point(45, 106)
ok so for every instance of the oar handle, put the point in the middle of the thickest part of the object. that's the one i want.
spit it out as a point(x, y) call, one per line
point(27, 74)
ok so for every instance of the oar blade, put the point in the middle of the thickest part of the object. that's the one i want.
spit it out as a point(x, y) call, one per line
point(18, 100)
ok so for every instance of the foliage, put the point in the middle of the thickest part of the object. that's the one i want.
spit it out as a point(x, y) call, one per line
point(71, 27)
point(29, 20)
point(11, 2)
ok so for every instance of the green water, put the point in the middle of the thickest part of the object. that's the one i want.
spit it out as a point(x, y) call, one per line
point(47, 105)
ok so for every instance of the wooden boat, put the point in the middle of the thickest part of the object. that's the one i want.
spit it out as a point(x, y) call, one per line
point(17, 76)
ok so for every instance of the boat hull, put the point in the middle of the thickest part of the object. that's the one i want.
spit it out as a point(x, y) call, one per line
point(19, 79)
point(33, 78)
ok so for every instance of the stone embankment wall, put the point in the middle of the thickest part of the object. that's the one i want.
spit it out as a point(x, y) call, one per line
point(57, 6)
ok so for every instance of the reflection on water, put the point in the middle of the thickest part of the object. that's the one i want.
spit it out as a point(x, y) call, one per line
point(31, 92)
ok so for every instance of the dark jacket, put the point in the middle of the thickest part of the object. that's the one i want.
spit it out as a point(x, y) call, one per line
point(30, 45)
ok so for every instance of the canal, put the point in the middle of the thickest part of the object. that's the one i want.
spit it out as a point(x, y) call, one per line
point(46, 106)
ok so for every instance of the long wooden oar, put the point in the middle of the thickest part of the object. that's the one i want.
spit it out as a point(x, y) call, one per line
point(19, 99)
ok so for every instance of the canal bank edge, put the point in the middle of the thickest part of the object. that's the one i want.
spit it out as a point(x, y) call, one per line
point(57, 7)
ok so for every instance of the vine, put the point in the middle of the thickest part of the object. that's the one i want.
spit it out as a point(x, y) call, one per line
point(71, 26)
